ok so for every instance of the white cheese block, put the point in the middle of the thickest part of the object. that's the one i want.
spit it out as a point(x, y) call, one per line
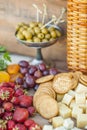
point(80, 98)
point(67, 99)
point(68, 124)
point(64, 110)
point(47, 127)
point(83, 106)
point(86, 110)
point(86, 95)
point(81, 120)
point(72, 104)
point(75, 111)
point(86, 101)
point(60, 128)
point(60, 97)
point(72, 93)
point(81, 88)
point(86, 127)
point(57, 121)
point(75, 128)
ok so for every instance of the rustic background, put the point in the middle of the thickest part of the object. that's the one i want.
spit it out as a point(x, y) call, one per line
point(14, 11)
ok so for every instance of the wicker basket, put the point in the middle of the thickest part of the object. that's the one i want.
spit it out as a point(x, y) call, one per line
point(77, 35)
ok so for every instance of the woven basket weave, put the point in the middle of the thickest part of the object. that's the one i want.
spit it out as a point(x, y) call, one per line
point(77, 35)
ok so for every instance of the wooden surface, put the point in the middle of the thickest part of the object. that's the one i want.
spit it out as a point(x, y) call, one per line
point(14, 11)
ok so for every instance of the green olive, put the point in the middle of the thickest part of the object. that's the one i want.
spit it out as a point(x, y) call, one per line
point(30, 40)
point(44, 30)
point(51, 29)
point(17, 28)
point(20, 36)
point(53, 34)
point(36, 39)
point(58, 33)
point(40, 24)
point(51, 39)
point(21, 29)
point(31, 30)
point(21, 24)
point(33, 24)
point(44, 40)
point(40, 35)
point(47, 36)
point(27, 34)
point(25, 27)
point(37, 30)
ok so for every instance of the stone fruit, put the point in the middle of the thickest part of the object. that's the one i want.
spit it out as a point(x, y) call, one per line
point(13, 77)
point(13, 69)
point(4, 76)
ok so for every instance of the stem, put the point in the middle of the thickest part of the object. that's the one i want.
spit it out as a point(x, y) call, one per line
point(39, 54)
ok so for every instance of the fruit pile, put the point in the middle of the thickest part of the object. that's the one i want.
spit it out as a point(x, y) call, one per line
point(15, 105)
point(16, 108)
point(33, 32)
point(31, 73)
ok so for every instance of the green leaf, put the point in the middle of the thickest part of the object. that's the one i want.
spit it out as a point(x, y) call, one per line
point(4, 58)
point(3, 64)
point(2, 49)
point(7, 57)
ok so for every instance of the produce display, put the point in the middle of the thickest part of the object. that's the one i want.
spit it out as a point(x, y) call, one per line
point(33, 32)
point(59, 98)
point(16, 105)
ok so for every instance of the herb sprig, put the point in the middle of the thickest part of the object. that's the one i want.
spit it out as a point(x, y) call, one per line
point(4, 58)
